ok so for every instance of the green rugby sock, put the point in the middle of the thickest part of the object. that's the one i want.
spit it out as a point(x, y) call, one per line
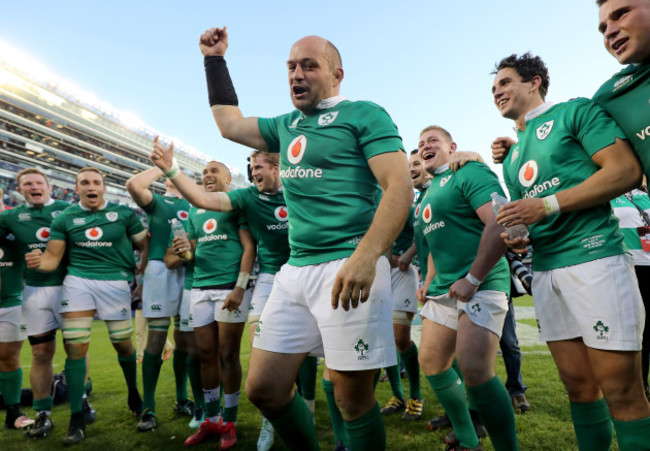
point(496, 413)
point(194, 373)
point(75, 373)
point(230, 403)
point(129, 368)
point(151, 364)
point(212, 401)
point(632, 435)
point(307, 376)
point(10, 386)
point(412, 366)
point(592, 424)
point(295, 425)
point(367, 432)
point(335, 413)
point(456, 368)
point(179, 363)
point(395, 381)
point(449, 389)
point(43, 405)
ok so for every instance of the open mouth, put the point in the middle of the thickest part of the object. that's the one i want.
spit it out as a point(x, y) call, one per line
point(91, 196)
point(501, 103)
point(616, 45)
point(36, 196)
point(298, 91)
point(428, 156)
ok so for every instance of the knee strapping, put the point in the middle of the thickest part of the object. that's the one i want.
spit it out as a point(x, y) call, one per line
point(77, 330)
point(404, 318)
point(158, 324)
point(119, 331)
point(46, 338)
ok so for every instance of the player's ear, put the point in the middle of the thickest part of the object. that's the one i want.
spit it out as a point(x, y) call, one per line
point(536, 83)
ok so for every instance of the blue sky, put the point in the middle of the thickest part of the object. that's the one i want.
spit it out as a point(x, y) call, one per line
point(425, 62)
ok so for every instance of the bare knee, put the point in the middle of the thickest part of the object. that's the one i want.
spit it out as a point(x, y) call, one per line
point(580, 386)
point(43, 353)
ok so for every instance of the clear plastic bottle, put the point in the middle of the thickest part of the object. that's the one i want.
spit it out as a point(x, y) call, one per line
point(179, 232)
point(516, 231)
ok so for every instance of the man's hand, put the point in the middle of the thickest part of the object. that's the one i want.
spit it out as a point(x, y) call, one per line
point(233, 300)
point(34, 259)
point(393, 260)
point(500, 148)
point(462, 290)
point(404, 262)
point(421, 294)
point(181, 246)
point(137, 293)
point(458, 159)
point(518, 245)
point(353, 282)
point(162, 156)
point(522, 211)
point(214, 42)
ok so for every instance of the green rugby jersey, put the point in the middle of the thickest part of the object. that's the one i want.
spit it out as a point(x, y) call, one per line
point(453, 230)
point(328, 185)
point(98, 242)
point(31, 227)
point(217, 258)
point(12, 263)
point(553, 154)
point(160, 213)
point(630, 219)
point(420, 242)
point(267, 219)
point(626, 98)
point(189, 266)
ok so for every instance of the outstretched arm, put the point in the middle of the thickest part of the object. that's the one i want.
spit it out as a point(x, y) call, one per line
point(223, 100)
point(163, 158)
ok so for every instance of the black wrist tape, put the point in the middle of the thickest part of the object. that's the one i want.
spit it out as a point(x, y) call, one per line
point(220, 88)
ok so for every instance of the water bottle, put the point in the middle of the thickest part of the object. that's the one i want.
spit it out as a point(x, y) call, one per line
point(179, 232)
point(517, 231)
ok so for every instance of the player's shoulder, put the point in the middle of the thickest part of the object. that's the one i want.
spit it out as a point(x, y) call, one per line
point(363, 105)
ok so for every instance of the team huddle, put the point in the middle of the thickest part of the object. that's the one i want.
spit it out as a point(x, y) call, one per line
point(332, 222)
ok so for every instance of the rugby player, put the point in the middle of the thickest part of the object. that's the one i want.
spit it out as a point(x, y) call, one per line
point(30, 225)
point(99, 236)
point(162, 292)
point(223, 255)
point(12, 329)
point(265, 210)
point(466, 293)
point(332, 154)
point(570, 160)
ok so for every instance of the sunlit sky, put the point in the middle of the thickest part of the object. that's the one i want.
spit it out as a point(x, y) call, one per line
point(425, 62)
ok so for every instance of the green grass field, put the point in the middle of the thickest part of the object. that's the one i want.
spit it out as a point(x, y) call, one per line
point(546, 427)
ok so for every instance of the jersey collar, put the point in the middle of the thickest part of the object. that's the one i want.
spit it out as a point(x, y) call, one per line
point(537, 111)
point(439, 170)
point(330, 103)
point(425, 186)
point(100, 208)
point(46, 204)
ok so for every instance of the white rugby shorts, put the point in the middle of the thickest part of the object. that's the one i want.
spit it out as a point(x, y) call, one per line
point(299, 318)
point(162, 290)
point(110, 298)
point(41, 307)
point(261, 293)
point(206, 307)
point(12, 328)
point(404, 285)
point(598, 301)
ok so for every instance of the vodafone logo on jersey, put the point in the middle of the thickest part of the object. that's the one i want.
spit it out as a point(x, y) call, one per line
point(296, 149)
point(281, 213)
point(182, 215)
point(528, 173)
point(94, 234)
point(426, 214)
point(210, 226)
point(43, 234)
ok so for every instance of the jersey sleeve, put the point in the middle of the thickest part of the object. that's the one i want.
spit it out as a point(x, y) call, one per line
point(58, 228)
point(150, 208)
point(594, 128)
point(190, 226)
point(269, 130)
point(376, 132)
point(478, 182)
point(133, 224)
point(242, 221)
point(238, 198)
